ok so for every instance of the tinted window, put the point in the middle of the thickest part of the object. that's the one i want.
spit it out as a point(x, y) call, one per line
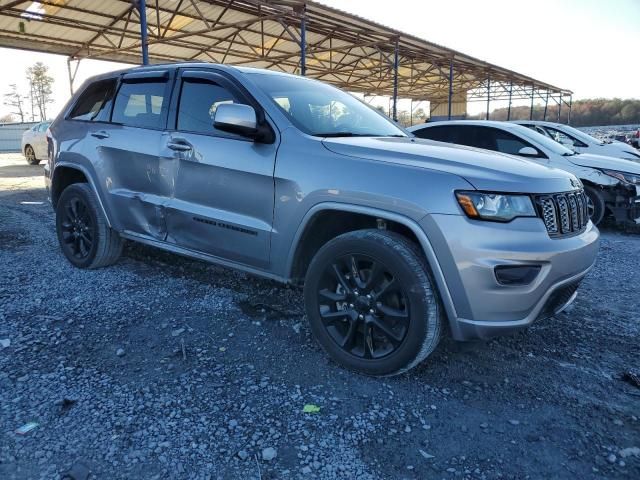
point(94, 103)
point(199, 100)
point(43, 127)
point(141, 104)
point(507, 143)
point(439, 134)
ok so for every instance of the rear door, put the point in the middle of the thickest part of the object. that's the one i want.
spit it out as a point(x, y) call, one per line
point(224, 188)
point(138, 180)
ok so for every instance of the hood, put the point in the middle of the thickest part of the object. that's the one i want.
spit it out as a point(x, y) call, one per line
point(483, 169)
point(619, 150)
point(609, 163)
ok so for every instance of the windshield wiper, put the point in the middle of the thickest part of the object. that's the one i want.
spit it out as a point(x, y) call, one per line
point(341, 134)
point(567, 154)
point(352, 134)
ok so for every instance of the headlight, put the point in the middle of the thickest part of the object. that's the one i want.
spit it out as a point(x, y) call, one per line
point(630, 178)
point(498, 207)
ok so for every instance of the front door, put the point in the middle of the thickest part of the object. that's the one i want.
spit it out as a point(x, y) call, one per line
point(224, 190)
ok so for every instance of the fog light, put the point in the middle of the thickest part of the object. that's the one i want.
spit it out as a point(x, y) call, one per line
point(516, 274)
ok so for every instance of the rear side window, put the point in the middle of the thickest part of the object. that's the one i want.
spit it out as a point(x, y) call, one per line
point(94, 103)
point(141, 104)
point(199, 100)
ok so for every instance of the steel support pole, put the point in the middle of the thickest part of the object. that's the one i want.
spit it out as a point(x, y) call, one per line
point(488, 94)
point(450, 88)
point(531, 111)
point(546, 104)
point(395, 82)
point(142, 9)
point(509, 108)
point(559, 108)
point(303, 42)
point(570, 103)
point(70, 75)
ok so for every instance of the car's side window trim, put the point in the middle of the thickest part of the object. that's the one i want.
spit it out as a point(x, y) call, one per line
point(165, 76)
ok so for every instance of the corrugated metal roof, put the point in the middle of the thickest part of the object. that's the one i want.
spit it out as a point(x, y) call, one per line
point(342, 48)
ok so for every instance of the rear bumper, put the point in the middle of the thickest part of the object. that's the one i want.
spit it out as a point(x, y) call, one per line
point(469, 251)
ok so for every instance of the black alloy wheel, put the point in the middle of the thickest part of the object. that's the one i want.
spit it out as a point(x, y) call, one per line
point(371, 303)
point(363, 306)
point(78, 229)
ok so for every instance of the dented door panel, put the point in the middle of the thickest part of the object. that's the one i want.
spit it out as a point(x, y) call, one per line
point(139, 182)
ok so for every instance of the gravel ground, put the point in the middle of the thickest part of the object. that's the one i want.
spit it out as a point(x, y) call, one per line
point(163, 367)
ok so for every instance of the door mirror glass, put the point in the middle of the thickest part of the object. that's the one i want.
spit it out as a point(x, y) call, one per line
point(528, 152)
point(236, 118)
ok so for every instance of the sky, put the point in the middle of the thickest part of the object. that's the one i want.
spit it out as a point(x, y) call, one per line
point(588, 46)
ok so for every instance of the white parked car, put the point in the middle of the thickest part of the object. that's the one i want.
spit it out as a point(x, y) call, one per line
point(34, 143)
point(612, 184)
point(581, 142)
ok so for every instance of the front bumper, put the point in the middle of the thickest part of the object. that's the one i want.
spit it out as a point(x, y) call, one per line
point(468, 252)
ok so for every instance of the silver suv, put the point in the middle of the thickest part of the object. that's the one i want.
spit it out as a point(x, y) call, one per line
point(397, 240)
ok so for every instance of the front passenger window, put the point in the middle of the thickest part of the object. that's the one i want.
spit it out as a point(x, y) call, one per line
point(199, 100)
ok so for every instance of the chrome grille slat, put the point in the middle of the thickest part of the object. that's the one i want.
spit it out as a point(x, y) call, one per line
point(564, 213)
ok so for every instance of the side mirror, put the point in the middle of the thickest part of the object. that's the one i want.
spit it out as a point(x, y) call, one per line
point(528, 152)
point(236, 118)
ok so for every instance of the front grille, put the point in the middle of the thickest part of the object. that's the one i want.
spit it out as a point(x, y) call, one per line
point(557, 300)
point(563, 213)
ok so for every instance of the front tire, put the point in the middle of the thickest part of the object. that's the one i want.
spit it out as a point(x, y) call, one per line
point(595, 204)
point(371, 303)
point(84, 236)
point(30, 155)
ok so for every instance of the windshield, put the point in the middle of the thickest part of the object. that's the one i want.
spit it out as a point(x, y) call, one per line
point(580, 135)
point(324, 111)
point(543, 141)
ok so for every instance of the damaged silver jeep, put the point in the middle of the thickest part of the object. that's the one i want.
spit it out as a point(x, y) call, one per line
point(396, 240)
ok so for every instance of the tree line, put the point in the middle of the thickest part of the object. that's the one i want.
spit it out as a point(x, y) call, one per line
point(32, 105)
point(584, 113)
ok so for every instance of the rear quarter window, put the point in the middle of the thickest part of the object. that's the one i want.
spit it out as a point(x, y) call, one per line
point(94, 102)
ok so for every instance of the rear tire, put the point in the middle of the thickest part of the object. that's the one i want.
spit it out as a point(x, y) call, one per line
point(84, 236)
point(30, 155)
point(371, 303)
point(595, 204)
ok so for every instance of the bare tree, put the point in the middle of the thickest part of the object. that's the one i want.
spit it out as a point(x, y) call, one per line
point(7, 118)
point(15, 100)
point(40, 83)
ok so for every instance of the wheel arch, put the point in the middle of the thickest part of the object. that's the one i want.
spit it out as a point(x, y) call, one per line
point(301, 251)
point(65, 174)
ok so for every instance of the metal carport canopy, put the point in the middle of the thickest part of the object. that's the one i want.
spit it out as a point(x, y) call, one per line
point(294, 36)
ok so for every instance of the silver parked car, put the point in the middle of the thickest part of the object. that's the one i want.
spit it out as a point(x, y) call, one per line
point(396, 240)
point(612, 184)
point(34, 143)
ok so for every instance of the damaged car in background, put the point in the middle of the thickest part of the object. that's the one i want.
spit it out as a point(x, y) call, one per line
point(580, 142)
point(612, 185)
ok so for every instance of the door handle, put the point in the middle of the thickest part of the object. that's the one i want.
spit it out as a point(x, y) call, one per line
point(101, 134)
point(179, 145)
